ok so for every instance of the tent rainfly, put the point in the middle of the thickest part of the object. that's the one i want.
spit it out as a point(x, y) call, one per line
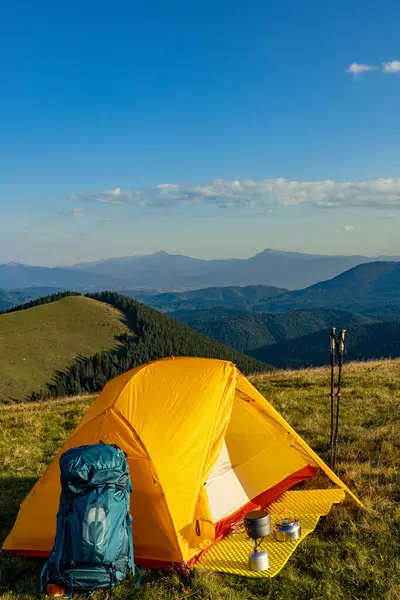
point(204, 447)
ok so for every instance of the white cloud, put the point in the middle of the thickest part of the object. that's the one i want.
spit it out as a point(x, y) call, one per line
point(74, 212)
point(270, 193)
point(392, 66)
point(114, 196)
point(249, 194)
point(358, 68)
point(348, 227)
point(165, 188)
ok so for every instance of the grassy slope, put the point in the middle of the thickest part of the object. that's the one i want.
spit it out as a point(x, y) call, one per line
point(353, 554)
point(50, 337)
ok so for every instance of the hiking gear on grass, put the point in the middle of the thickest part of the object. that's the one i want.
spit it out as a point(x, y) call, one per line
point(204, 448)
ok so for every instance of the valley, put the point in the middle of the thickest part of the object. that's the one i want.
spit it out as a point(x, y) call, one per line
point(247, 331)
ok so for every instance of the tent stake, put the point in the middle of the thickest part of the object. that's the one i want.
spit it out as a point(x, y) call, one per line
point(339, 394)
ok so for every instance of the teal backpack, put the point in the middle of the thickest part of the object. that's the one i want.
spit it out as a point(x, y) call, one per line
point(93, 547)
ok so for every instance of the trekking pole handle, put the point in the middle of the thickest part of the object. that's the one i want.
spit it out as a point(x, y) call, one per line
point(341, 341)
point(333, 340)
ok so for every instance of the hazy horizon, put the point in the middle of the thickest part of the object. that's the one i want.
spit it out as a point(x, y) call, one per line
point(265, 250)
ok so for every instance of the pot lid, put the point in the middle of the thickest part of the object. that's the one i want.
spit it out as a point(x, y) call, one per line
point(256, 515)
point(287, 524)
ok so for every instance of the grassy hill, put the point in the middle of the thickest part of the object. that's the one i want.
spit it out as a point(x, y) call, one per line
point(353, 554)
point(247, 331)
point(37, 342)
point(358, 289)
point(77, 343)
point(363, 342)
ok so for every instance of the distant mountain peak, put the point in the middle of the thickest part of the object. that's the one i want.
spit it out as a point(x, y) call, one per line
point(269, 251)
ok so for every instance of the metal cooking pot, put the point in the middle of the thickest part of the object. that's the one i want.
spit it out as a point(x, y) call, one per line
point(258, 560)
point(257, 524)
point(287, 527)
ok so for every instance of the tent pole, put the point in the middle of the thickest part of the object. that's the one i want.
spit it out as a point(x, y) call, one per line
point(332, 395)
point(339, 394)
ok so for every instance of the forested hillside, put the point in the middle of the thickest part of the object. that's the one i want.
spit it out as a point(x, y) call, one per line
point(9, 299)
point(363, 342)
point(234, 297)
point(248, 330)
point(361, 289)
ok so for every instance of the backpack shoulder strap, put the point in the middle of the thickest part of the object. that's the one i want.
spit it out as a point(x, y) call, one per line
point(132, 565)
point(130, 538)
point(61, 544)
point(43, 572)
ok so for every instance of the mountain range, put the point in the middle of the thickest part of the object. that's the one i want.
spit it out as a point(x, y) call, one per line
point(172, 272)
point(371, 288)
point(362, 288)
point(292, 270)
point(16, 275)
point(292, 329)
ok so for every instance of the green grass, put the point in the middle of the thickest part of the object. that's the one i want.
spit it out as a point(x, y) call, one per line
point(36, 342)
point(352, 555)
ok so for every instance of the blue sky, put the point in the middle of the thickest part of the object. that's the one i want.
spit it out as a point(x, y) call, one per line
point(205, 128)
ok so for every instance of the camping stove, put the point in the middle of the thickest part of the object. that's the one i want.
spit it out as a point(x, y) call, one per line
point(258, 560)
point(258, 525)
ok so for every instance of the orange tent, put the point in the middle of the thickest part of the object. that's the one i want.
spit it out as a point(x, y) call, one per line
point(203, 446)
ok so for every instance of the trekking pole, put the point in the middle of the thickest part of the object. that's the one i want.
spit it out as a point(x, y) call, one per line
point(339, 393)
point(333, 349)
